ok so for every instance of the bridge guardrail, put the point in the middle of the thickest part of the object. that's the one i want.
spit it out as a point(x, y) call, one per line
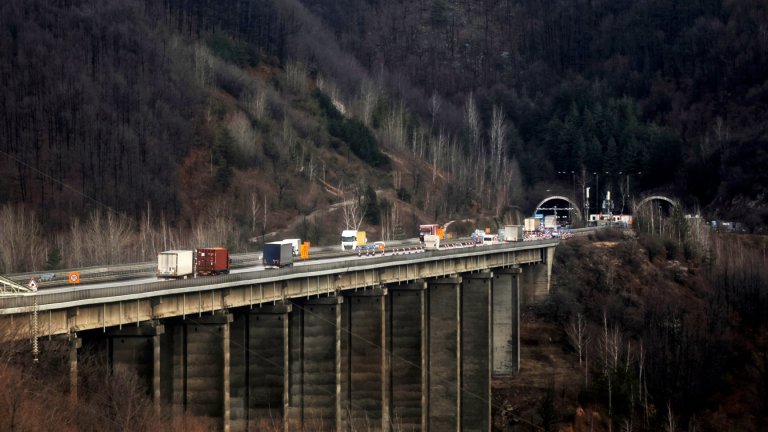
point(47, 279)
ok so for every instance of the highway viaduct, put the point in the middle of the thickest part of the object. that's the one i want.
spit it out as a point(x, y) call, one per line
point(404, 342)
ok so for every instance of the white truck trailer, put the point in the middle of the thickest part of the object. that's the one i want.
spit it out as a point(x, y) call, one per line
point(175, 264)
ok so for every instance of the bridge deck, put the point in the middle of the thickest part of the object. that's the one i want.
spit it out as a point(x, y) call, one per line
point(63, 310)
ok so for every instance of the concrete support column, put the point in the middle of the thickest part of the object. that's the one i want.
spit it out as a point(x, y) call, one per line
point(537, 278)
point(364, 361)
point(156, 359)
point(315, 364)
point(259, 372)
point(476, 350)
point(173, 366)
point(226, 406)
point(74, 344)
point(408, 381)
point(136, 350)
point(506, 321)
point(199, 371)
point(444, 353)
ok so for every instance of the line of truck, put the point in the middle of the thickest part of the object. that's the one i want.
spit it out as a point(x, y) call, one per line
point(213, 261)
point(181, 264)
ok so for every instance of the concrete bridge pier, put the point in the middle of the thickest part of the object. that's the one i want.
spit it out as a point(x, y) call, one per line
point(536, 279)
point(59, 355)
point(476, 351)
point(75, 343)
point(195, 366)
point(407, 345)
point(364, 361)
point(506, 321)
point(314, 337)
point(259, 368)
point(136, 350)
point(444, 354)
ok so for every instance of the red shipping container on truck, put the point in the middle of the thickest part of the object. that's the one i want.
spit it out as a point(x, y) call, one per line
point(212, 261)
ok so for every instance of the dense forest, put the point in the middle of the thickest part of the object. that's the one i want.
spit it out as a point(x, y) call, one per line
point(673, 89)
point(186, 122)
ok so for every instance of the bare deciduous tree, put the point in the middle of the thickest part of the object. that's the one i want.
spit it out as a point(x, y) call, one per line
point(244, 136)
point(256, 210)
point(369, 98)
point(576, 332)
point(255, 102)
point(671, 424)
point(107, 238)
point(352, 210)
point(296, 76)
point(473, 121)
point(394, 132)
point(21, 245)
point(498, 140)
point(203, 65)
point(434, 108)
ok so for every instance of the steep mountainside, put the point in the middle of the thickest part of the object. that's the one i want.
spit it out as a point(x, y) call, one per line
point(673, 90)
point(193, 122)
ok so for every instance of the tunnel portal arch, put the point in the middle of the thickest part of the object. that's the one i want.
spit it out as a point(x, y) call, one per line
point(648, 199)
point(574, 207)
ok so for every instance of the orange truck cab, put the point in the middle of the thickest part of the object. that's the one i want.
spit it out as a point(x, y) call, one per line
point(431, 229)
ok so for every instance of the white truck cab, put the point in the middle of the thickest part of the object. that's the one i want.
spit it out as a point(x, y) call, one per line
point(348, 239)
point(295, 244)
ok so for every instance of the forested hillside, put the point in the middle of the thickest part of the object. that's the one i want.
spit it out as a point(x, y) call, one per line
point(658, 334)
point(96, 104)
point(144, 125)
point(676, 90)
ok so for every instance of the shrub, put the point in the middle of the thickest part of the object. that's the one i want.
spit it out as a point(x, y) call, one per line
point(654, 247)
point(352, 131)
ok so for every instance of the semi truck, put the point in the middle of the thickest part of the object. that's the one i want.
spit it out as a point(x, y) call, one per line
point(295, 245)
point(550, 221)
point(175, 264)
point(277, 255)
point(512, 233)
point(532, 224)
point(431, 229)
point(431, 242)
point(351, 239)
point(211, 261)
